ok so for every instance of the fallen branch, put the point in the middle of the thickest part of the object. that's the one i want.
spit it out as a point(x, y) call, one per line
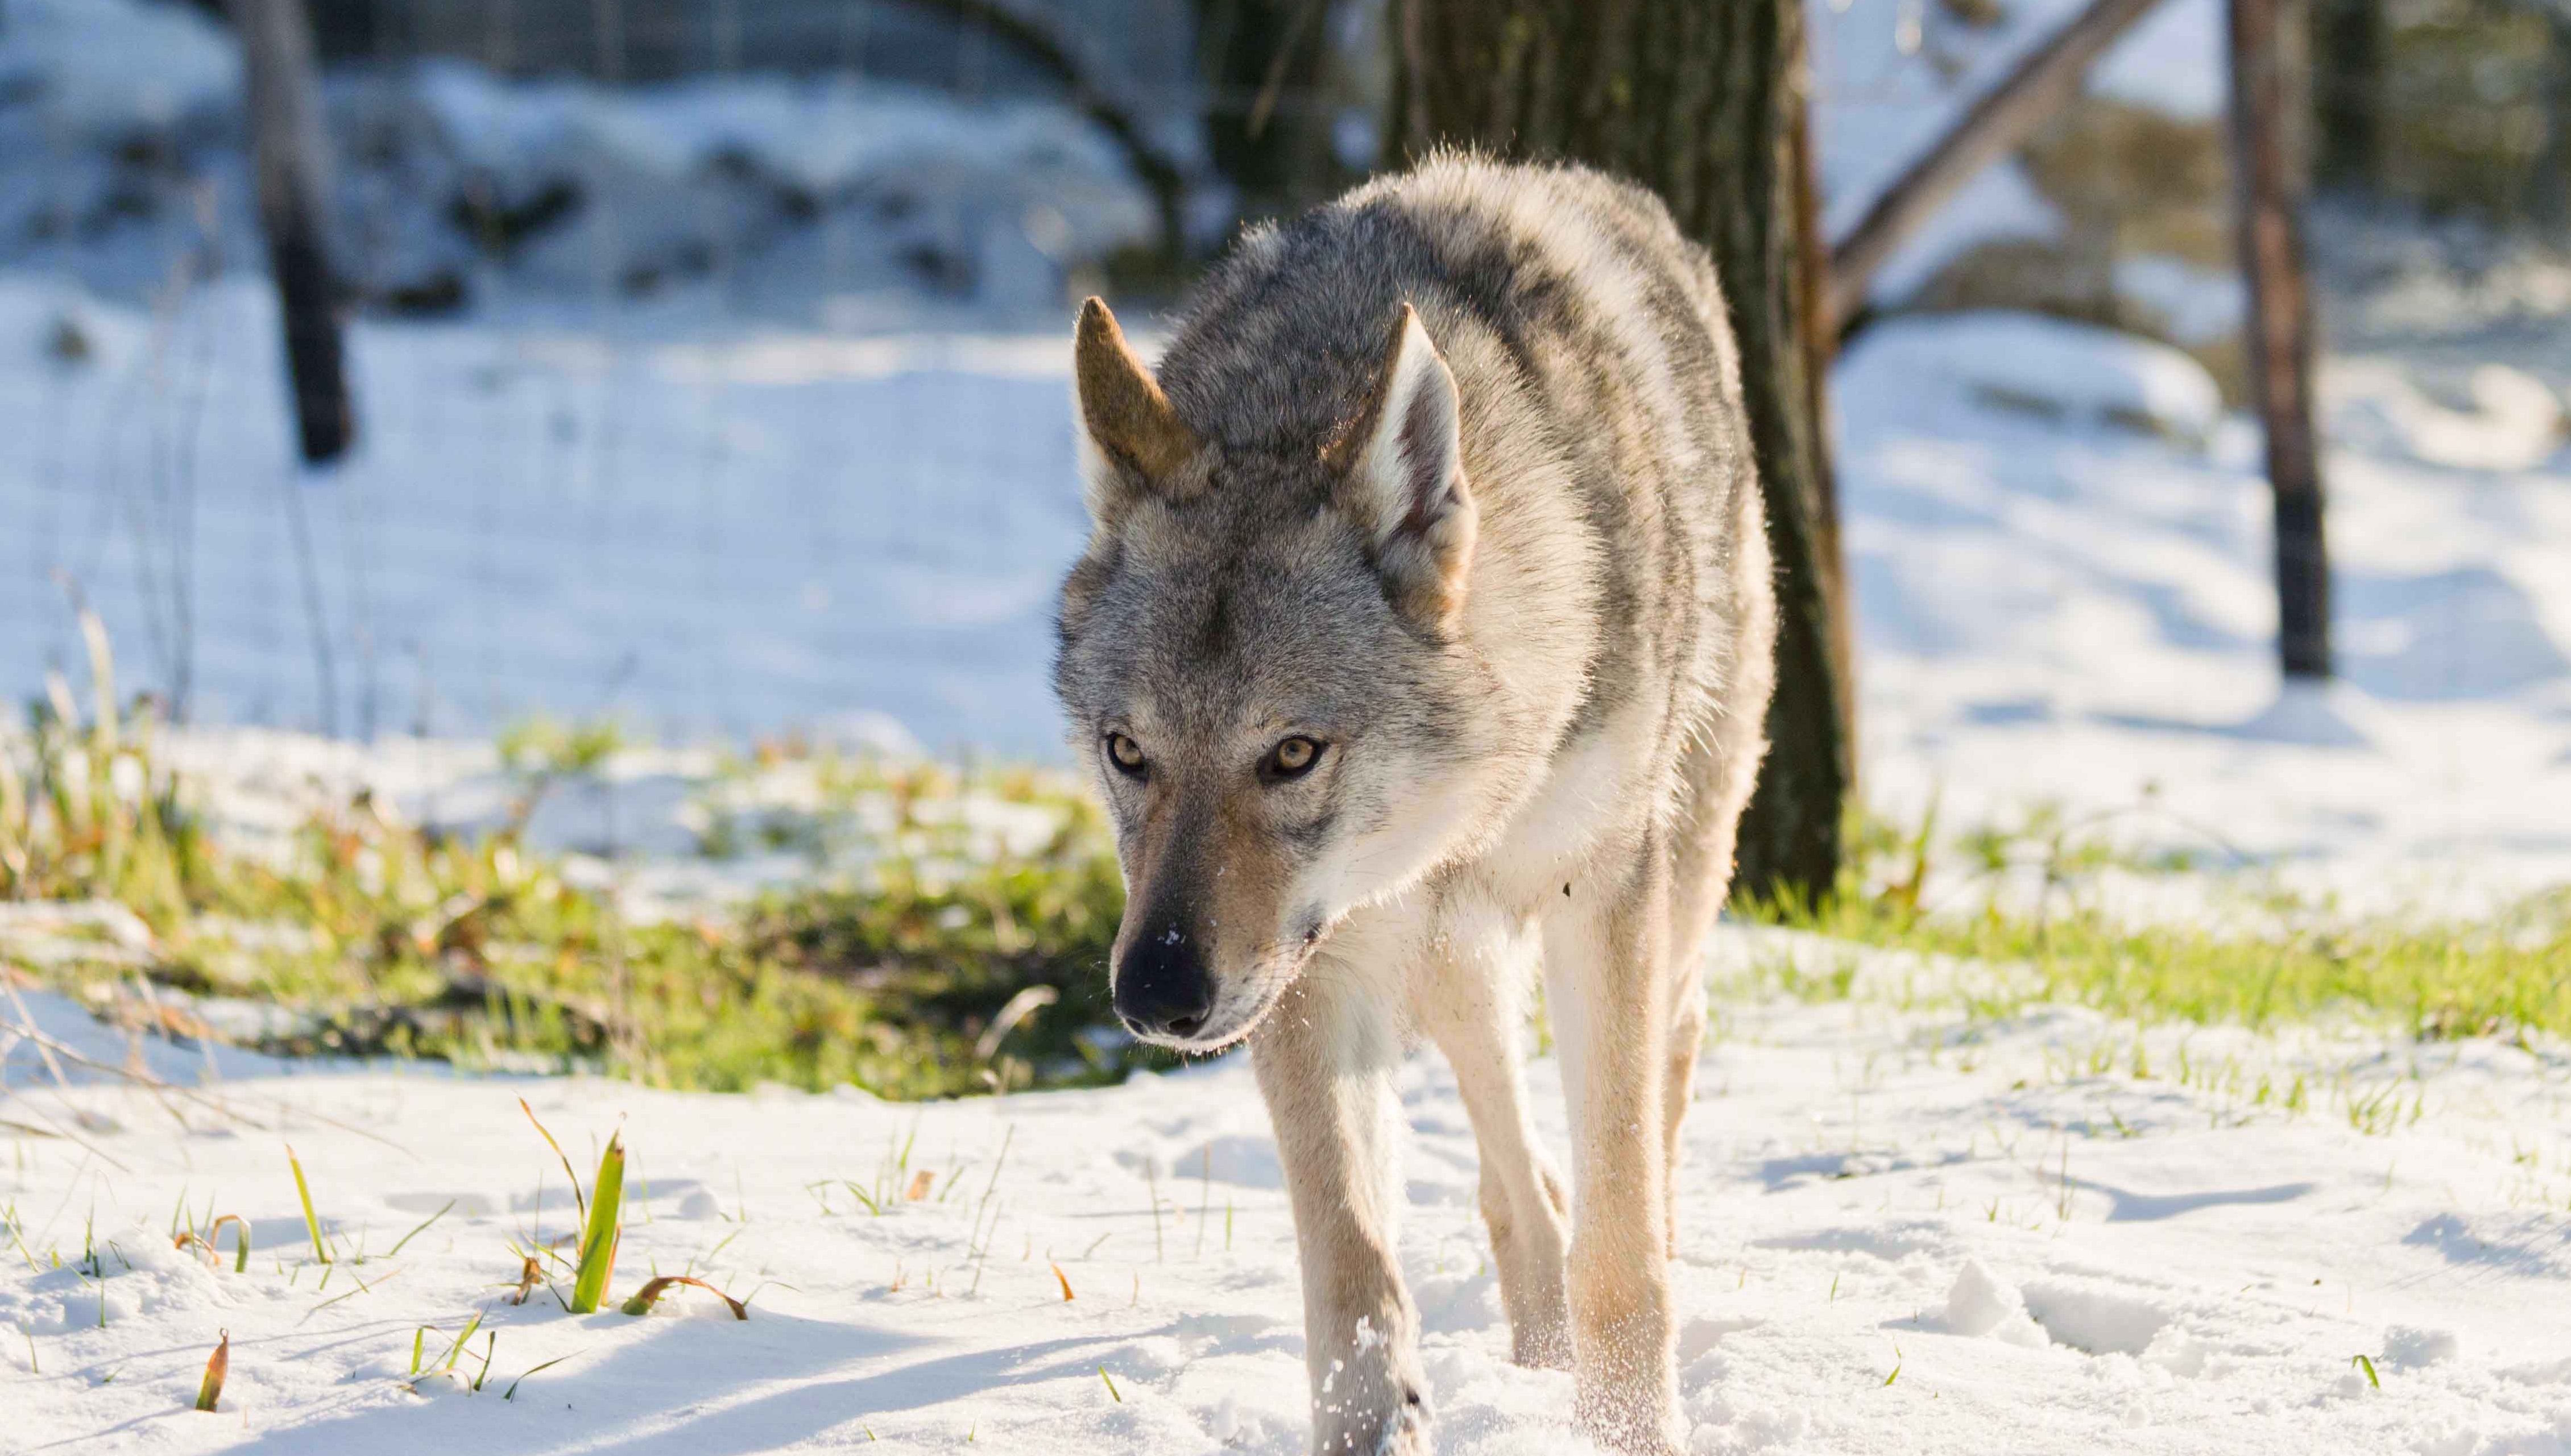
point(1995, 125)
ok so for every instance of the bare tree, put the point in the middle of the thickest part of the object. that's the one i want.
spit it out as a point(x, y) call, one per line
point(1703, 104)
point(286, 145)
point(2267, 74)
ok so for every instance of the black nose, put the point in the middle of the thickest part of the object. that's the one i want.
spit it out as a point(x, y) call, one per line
point(1161, 987)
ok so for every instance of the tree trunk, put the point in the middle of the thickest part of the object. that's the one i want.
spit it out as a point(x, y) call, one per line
point(1703, 104)
point(2347, 42)
point(2266, 75)
point(284, 105)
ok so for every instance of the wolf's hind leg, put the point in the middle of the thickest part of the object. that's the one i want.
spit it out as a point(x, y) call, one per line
point(1717, 773)
point(1325, 1057)
point(1470, 997)
point(1677, 1089)
point(1606, 956)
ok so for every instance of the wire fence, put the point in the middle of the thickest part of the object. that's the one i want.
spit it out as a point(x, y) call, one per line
point(709, 353)
point(766, 425)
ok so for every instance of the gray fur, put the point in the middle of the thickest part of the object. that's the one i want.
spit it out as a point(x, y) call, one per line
point(1589, 711)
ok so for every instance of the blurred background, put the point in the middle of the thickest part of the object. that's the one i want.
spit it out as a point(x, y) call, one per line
point(708, 364)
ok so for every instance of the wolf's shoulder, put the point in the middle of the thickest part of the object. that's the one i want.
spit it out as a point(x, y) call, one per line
point(1283, 334)
point(1452, 214)
point(1462, 193)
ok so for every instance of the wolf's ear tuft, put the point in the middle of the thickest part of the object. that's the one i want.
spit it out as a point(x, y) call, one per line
point(1403, 477)
point(1135, 437)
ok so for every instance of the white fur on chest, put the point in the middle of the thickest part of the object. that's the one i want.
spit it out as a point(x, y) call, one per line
point(1598, 792)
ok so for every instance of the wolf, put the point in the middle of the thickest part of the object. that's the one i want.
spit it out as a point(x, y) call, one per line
point(1423, 636)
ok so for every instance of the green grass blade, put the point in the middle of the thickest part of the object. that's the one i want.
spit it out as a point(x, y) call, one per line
point(240, 1253)
point(423, 1227)
point(597, 1242)
point(512, 1392)
point(304, 1191)
point(457, 1348)
point(577, 1196)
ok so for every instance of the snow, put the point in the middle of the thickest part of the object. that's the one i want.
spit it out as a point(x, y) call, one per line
point(2061, 599)
point(2090, 376)
point(651, 163)
point(821, 133)
point(99, 70)
point(2172, 61)
point(1899, 1231)
point(2196, 305)
point(817, 196)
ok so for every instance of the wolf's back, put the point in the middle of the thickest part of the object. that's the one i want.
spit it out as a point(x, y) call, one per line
point(1581, 326)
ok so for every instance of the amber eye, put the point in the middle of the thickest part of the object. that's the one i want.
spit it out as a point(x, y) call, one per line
point(1126, 754)
point(1294, 757)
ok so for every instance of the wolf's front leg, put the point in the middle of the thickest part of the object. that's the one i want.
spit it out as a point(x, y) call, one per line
point(1325, 1057)
point(1469, 995)
point(1606, 967)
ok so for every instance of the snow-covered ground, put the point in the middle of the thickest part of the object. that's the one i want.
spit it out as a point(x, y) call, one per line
point(1903, 1230)
point(1900, 1232)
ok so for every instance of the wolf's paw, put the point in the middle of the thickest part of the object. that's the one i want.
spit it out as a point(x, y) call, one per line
point(1402, 1431)
point(1636, 1426)
point(1541, 1346)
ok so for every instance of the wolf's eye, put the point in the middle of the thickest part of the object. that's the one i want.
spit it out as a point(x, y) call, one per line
point(1292, 759)
point(1126, 754)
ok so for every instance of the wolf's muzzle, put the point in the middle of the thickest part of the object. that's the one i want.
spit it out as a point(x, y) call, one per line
point(1163, 990)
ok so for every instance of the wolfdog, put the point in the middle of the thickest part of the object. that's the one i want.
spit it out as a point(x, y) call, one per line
point(1424, 634)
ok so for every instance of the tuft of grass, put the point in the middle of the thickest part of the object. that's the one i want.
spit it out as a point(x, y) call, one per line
point(2433, 981)
point(2296, 961)
point(2368, 1365)
point(87, 810)
point(943, 963)
point(599, 1237)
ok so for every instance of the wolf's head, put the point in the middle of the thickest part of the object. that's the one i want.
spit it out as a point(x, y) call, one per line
point(1261, 660)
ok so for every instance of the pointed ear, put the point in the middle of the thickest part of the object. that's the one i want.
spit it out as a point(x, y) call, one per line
point(1131, 435)
point(1402, 478)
